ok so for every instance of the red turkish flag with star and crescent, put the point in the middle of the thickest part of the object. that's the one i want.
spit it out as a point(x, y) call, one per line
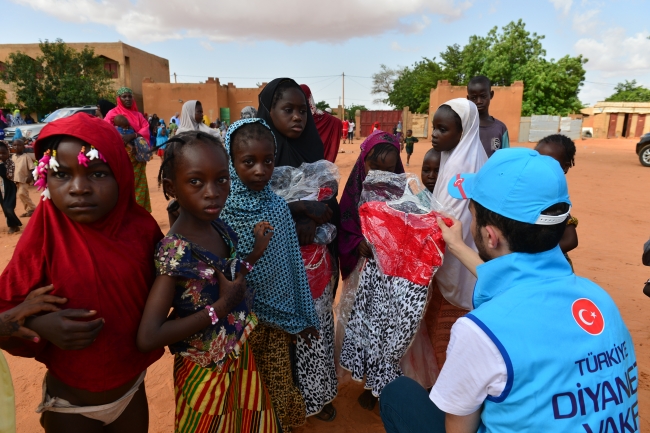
point(588, 316)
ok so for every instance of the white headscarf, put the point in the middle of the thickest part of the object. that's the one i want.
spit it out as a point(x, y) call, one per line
point(189, 123)
point(455, 282)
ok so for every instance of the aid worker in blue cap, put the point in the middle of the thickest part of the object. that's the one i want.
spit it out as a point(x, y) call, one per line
point(543, 350)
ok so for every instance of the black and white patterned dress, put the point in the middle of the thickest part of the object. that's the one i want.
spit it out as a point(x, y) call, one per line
point(384, 318)
point(315, 365)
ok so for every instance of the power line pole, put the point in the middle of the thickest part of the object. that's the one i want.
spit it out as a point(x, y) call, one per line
point(343, 95)
point(175, 78)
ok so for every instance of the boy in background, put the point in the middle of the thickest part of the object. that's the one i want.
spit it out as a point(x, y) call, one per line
point(493, 132)
point(430, 169)
point(409, 141)
point(8, 189)
point(24, 164)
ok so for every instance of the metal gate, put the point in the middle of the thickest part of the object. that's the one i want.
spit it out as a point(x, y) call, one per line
point(387, 121)
point(640, 124)
point(611, 131)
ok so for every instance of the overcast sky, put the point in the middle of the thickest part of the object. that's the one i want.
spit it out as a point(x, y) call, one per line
point(251, 41)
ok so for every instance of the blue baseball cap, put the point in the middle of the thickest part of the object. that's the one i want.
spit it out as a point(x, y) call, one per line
point(517, 183)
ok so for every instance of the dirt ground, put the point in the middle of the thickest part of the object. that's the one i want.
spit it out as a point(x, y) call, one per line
point(609, 192)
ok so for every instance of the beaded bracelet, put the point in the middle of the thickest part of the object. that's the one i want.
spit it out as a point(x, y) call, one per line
point(212, 314)
point(247, 265)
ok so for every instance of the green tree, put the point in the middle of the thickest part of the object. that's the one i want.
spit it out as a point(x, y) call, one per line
point(59, 77)
point(322, 105)
point(630, 91)
point(413, 87)
point(510, 52)
point(350, 110)
point(504, 56)
point(551, 87)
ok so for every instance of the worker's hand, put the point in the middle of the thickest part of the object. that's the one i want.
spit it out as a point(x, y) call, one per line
point(453, 235)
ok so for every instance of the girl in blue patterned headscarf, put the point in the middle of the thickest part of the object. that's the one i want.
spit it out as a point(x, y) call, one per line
point(283, 301)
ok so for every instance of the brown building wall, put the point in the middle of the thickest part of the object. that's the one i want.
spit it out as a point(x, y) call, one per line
point(134, 64)
point(166, 99)
point(505, 106)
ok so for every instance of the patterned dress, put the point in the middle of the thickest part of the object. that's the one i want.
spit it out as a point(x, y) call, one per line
point(216, 381)
point(283, 300)
point(392, 293)
point(141, 185)
point(315, 368)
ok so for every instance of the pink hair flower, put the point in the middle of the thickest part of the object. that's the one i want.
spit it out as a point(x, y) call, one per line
point(82, 158)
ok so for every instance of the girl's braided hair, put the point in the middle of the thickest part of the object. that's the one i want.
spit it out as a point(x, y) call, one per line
point(174, 149)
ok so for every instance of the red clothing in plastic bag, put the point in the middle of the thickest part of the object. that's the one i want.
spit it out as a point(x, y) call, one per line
point(318, 264)
point(406, 245)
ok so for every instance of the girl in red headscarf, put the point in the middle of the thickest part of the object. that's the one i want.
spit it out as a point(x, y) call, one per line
point(92, 242)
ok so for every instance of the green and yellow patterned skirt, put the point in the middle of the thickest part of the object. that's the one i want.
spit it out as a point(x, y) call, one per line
point(141, 185)
point(270, 346)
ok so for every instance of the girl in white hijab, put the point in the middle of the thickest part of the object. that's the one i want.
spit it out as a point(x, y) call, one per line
point(456, 136)
point(192, 119)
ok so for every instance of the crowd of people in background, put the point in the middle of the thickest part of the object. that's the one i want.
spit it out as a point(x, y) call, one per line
point(96, 291)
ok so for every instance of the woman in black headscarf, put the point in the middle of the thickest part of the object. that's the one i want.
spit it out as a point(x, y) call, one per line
point(103, 107)
point(284, 106)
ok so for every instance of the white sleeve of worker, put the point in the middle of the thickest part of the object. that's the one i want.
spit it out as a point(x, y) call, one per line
point(473, 370)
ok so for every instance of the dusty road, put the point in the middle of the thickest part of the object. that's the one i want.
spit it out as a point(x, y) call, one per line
point(608, 188)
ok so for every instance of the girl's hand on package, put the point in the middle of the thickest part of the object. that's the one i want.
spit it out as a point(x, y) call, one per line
point(308, 334)
point(319, 212)
point(231, 293)
point(63, 330)
point(263, 232)
point(306, 230)
point(12, 321)
point(364, 249)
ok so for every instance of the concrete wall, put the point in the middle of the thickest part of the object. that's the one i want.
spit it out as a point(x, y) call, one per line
point(505, 106)
point(134, 64)
point(166, 99)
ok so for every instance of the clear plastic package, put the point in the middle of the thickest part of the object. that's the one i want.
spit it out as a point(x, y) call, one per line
point(317, 181)
point(379, 312)
point(399, 221)
point(325, 234)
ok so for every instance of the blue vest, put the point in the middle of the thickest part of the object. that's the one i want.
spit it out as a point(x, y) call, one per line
point(569, 356)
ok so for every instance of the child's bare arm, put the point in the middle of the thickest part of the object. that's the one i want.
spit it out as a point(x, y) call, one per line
point(65, 329)
point(38, 301)
point(157, 331)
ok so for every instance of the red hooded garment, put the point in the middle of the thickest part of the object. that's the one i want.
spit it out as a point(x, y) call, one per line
point(105, 266)
point(135, 118)
point(329, 127)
